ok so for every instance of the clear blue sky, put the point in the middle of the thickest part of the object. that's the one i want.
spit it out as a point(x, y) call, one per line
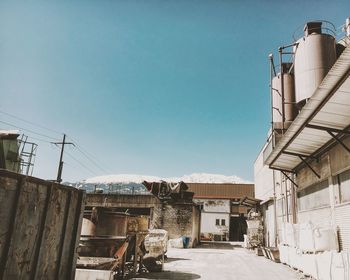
point(162, 88)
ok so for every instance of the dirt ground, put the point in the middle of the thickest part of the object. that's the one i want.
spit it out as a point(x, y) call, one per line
point(218, 261)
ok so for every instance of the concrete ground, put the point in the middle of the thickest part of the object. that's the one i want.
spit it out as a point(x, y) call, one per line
point(219, 261)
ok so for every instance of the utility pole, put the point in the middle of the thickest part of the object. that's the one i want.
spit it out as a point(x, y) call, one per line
point(60, 166)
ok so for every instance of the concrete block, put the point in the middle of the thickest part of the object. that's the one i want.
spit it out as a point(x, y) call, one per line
point(92, 274)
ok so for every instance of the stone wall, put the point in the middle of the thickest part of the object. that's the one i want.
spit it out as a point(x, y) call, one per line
point(179, 219)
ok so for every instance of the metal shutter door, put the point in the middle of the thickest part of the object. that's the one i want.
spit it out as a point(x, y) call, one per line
point(342, 218)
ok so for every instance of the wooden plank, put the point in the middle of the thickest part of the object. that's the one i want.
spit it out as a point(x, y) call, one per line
point(9, 194)
point(39, 228)
point(69, 238)
point(64, 234)
point(41, 231)
point(50, 246)
point(8, 188)
point(21, 257)
point(76, 232)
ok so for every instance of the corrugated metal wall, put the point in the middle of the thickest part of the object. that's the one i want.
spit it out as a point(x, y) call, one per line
point(40, 228)
point(342, 219)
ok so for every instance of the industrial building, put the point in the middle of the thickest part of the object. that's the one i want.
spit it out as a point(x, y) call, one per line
point(224, 209)
point(302, 173)
point(167, 205)
point(218, 211)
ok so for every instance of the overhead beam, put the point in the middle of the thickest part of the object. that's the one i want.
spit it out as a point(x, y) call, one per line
point(328, 129)
point(296, 154)
point(313, 114)
point(339, 141)
point(281, 169)
point(285, 174)
point(310, 167)
point(325, 148)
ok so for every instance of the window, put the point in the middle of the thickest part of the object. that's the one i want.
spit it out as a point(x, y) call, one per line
point(223, 222)
point(314, 196)
point(344, 186)
point(217, 222)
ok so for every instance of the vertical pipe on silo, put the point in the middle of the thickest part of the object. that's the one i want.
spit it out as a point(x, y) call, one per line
point(282, 90)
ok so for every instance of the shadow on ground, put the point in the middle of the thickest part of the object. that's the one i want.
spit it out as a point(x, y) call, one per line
point(167, 275)
point(169, 260)
point(218, 245)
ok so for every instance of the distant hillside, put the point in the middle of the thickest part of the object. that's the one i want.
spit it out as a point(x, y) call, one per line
point(193, 178)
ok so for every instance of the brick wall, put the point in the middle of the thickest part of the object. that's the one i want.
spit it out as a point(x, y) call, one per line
point(179, 219)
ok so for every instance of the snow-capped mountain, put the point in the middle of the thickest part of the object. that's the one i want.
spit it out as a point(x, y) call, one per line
point(121, 178)
point(192, 178)
point(209, 178)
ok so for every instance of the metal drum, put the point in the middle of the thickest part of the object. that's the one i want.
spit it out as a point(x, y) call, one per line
point(88, 228)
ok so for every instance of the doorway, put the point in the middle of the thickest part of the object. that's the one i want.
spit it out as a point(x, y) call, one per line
point(238, 227)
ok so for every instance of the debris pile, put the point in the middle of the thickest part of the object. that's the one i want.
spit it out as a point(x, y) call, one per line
point(156, 248)
point(111, 243)
point(254, 237)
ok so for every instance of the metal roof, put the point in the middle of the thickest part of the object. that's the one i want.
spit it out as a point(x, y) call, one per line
point(249, 201)
point(221, 191)
point(327, 112)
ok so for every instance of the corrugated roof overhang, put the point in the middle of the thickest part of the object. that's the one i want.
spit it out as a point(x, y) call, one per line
point(266, 200)
point(327, 112)
point(249, 201)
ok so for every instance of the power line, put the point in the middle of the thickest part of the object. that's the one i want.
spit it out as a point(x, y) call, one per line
point(87, 169)
point(85, 153)
point(39, 139)
point(29, 130)
point(76, 166)
point(83, 165)
point(29, 122)
point(91, 160)
point(90, 157)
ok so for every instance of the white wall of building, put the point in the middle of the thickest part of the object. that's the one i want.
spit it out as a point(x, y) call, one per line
point(215, 205)
point(263, 179)
point(214, 209)
point(208, 223)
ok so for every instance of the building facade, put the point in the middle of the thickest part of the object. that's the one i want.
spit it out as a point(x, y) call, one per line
point(223, 216)
point(302, 173)
point(215, 217)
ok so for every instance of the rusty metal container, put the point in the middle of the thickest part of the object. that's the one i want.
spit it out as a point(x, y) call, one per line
point(88, 228)
point(111, 224)
point(138, 224)
point(40, 228)
point(100, 246)
point(103, 231)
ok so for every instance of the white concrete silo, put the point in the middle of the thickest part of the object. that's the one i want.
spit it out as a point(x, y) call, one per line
point(289, 98)
point(315, 54)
